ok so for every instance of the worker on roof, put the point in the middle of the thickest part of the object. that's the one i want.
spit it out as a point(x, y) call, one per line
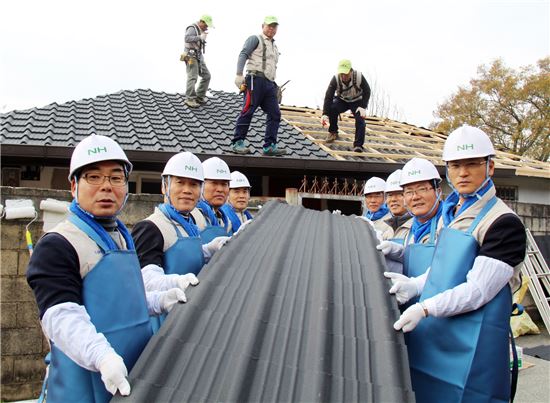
point(459, 341)
point(237, 205)
point(88, 285)
point(422, 197)
point(376, 210)
point(399, 217)
point(210, 218)
point(168, 242)
point(193, 56)
point(259, 88)
point(348, 89)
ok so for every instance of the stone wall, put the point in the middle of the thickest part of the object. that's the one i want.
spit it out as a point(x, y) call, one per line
point(23, 345)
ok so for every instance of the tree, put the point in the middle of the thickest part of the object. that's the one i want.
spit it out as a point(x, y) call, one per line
point(511, 106)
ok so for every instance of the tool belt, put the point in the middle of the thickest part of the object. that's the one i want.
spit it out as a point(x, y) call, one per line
point(258, 74)
point(187, 55)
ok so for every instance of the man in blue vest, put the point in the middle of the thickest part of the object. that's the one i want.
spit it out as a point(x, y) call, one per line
point(353, 93)
point(459, 331)
point(237, 205)
point(88, 286)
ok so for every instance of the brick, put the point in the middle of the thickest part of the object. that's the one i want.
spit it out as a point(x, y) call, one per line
point(16, 289)
point(21, 391)
point(10, 236)
point(23, 262)
point(29, 368)
point(21, 341)
point(9, 315)
point(6, 370)
point(9, 263)
point(27, 315)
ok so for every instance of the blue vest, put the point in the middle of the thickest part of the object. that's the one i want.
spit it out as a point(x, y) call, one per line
point(463, 358)
point(184, 256)
point(230, 213)
point(114, 297)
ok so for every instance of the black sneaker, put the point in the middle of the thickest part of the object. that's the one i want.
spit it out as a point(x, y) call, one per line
point(273, 150)
point(358, 149)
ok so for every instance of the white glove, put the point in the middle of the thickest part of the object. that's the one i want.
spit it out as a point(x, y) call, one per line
point(203, 36)
point(338, 212)
point(182, 281)
point(324, 120)
point(393, 250)
point(410, 318)
point(169, 298)
point(114, 373)
point(403, 287)
point(216, 244)
point(362, 112)
point(243, 225)
point(239, 80)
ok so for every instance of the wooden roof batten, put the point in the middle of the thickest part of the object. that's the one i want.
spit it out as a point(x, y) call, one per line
point(411, 140)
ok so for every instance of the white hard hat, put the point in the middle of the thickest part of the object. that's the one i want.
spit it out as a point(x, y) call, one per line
point(392, 183)
point(418, 170)
point(374, 184)
point(184, 165)
point(216, 169)
point(238, 180)
point(467, 142)
point(97, 148)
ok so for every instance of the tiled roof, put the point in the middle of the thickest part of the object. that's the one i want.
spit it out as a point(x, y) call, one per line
point(148, 120)
point(389, 141)
point(302, 316)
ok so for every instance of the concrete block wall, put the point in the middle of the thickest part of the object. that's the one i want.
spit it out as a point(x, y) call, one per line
point(22, 344)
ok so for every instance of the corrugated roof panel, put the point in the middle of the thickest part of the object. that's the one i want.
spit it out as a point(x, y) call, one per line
point(295, 308)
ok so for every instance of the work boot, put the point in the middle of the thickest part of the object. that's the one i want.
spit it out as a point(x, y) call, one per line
point(201, 101)
point(358, 149)
point(331, 137)
point(191, 103)
point(238, 147)
point(274, 151)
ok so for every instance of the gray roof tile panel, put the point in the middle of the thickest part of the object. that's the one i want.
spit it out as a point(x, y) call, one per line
point(144, 115)
point(294, 308)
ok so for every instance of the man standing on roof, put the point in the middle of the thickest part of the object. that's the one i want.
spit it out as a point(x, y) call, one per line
point(259, 88)
point(86, 278)
point(412, 254)
point(195, 43)
point(399, 218)
point(375, 208)
point(168, 242)
point(239, 196)
point(353, 93)
point(210, 218)
point(459, 341)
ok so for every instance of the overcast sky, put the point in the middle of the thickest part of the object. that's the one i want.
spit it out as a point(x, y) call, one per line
point(417, 52)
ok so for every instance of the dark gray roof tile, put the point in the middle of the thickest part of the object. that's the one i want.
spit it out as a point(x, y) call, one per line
point(301, 316)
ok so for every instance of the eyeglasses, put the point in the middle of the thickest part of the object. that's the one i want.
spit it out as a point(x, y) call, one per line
point(98, 179)
point(419, 192)
point(455, 165)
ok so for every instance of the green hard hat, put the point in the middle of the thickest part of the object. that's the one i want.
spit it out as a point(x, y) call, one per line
point(207, 20)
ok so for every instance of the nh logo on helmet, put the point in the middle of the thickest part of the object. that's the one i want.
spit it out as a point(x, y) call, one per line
point(416, 172)
point(221, 171)
point(465, 147)
point(190, 168)
point(97, 150)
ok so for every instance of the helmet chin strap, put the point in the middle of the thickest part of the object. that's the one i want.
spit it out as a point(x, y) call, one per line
point(475, 193)
point(424, 216)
